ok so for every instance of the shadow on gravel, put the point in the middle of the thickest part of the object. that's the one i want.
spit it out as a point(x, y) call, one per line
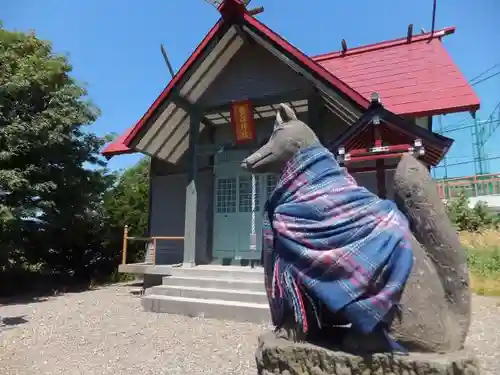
point(13, 320)
point(42, 294)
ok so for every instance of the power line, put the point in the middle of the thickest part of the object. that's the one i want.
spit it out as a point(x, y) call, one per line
point(484, 72)
point(490, 117)
point(485, 79)
point(470, 126)
point(468, 156)
point(456, 127)
point(466, 162)
point(451, 127)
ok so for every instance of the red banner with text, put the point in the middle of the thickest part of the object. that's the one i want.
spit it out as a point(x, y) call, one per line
point(243, 121)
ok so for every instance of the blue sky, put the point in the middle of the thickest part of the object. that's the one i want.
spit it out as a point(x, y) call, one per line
point(114, 46)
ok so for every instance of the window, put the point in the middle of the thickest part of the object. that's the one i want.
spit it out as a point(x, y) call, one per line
point(226, 195)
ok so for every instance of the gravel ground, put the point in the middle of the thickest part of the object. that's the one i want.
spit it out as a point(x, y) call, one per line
point(105, 332)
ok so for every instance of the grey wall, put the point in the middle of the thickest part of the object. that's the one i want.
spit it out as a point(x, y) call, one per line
point(331, 128)
point(167, 215)
point(253, 72)
point(369, 181)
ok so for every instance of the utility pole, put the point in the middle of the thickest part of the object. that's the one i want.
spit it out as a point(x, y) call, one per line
point(445, 159)
point(478, 142)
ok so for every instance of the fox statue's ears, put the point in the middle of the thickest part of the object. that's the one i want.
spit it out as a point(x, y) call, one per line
point(284, 114)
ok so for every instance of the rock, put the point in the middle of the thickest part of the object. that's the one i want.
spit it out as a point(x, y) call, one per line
point(278, 356)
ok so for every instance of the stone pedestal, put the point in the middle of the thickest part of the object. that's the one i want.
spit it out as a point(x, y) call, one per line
point(278, 356)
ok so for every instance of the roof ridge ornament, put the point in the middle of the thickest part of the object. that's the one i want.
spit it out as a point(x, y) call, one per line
point(234, 8)
point(375, 97)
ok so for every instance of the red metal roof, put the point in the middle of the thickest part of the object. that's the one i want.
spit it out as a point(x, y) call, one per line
point(417, 78)
point(117, 147)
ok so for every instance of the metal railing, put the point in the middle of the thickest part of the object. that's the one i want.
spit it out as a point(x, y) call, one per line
point(471, 186)
point(153, 240)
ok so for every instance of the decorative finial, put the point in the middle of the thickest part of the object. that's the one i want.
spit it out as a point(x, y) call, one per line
point(375, 97)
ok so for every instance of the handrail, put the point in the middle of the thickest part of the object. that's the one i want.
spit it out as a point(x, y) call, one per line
point(154, 239)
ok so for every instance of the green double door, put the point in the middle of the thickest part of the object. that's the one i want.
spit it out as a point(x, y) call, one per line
point(239, 200)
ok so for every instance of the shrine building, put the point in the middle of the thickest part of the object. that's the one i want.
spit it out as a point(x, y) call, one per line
point(368, 104)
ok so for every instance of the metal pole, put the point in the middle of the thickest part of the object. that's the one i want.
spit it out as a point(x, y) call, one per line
point(446, 192)
point(167, 61)
point(433, 18)
point(445, 159)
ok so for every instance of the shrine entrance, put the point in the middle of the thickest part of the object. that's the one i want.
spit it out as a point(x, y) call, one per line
point(239, 199)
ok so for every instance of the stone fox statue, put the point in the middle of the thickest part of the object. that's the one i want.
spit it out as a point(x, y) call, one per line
point(393, 275)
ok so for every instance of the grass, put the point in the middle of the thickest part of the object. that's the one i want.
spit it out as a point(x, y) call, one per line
point(483, 254)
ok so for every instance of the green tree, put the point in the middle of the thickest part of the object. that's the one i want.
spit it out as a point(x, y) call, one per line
point(50, 165)
point(470, 219)
point(127, 203)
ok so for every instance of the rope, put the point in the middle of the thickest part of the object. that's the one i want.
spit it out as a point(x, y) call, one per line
point(253, 237)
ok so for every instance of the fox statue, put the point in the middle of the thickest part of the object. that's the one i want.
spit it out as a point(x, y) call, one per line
point(343, 265)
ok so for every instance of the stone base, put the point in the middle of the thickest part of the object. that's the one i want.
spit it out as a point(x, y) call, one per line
point(278, 356)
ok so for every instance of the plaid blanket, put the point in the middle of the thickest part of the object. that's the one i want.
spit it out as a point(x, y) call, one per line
point(329, 242)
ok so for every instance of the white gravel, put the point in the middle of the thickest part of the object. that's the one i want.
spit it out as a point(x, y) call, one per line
point(105, 332)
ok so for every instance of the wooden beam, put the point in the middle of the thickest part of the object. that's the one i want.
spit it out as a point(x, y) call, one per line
point(289, 96)
point(124, 244)
point(241, 33)
point(381, 186)
point(191, 209)
point(150, 195)
point(348, 114)
point(214, 148)
point(189, 107)
point(314, 111)
point(255, 11)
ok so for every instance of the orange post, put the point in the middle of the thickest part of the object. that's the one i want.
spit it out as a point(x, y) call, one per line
point(153, 256)
point(124, 247)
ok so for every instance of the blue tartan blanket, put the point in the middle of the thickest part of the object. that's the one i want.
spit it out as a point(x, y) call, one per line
point(329, 242)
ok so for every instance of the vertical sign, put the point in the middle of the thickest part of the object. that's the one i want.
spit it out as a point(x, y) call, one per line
point(243, 121)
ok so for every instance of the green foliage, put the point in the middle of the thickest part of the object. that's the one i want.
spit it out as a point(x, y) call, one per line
point(485, 263)
point(127, 203)
point(50, 166)
point(471, 219)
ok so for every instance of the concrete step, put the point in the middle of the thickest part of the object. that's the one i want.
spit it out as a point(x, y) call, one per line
point(209, 293)
point(208, 308)
point(220, 272)
point(215, 283)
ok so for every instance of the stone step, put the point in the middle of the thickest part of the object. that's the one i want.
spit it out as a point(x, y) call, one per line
point(215, 283)
point(220, 272)
point(209, 293)
point(208, 308)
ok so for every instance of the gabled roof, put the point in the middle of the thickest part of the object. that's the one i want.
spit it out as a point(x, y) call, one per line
point(352, 75)
point(394, 130)
point(234, 13)
point(415, 77)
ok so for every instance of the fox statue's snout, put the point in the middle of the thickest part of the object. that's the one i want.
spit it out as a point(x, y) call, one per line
point(289, 135)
